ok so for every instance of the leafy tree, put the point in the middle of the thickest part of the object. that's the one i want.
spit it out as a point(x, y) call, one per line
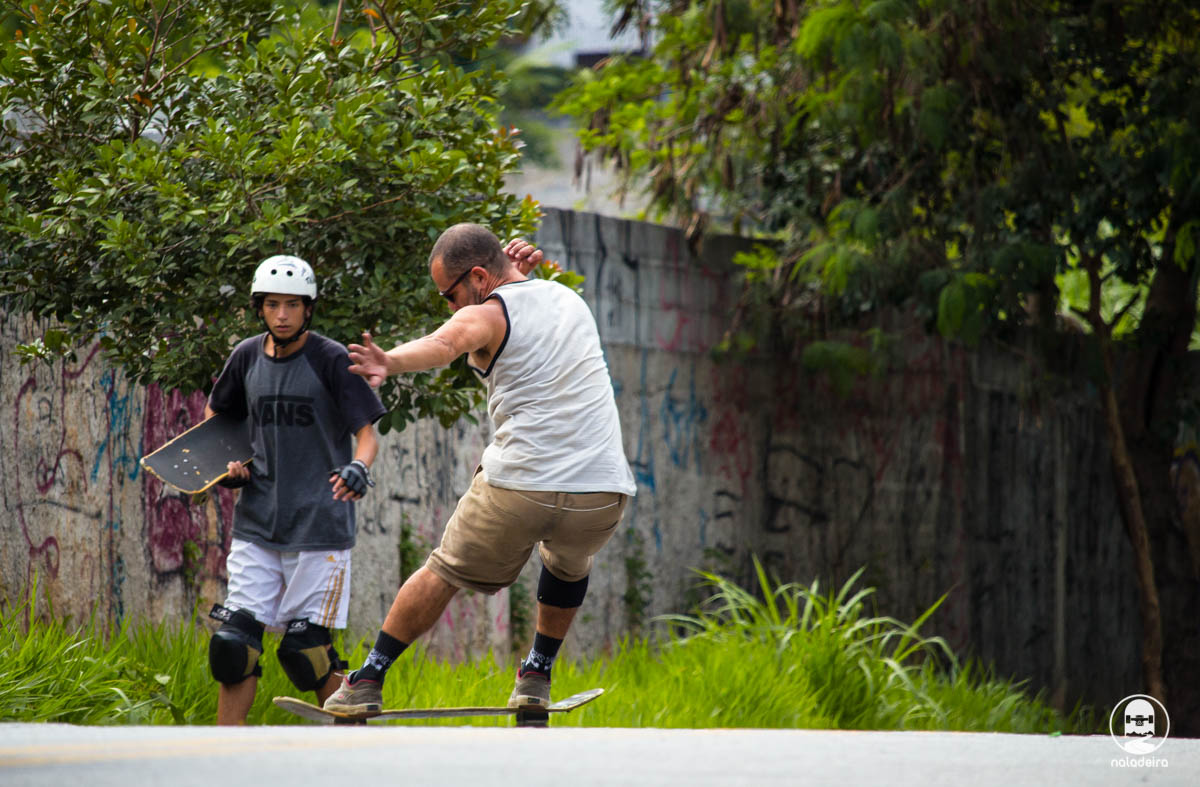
point(527, 87)
point(153, 152)
point(985, 164)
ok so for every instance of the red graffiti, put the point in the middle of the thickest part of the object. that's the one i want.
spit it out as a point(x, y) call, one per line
point(46, 472)
point(731, 443)
point(688, 298)
point(172, 522)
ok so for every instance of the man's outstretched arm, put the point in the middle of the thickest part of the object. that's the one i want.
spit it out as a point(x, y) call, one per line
point(469, 329)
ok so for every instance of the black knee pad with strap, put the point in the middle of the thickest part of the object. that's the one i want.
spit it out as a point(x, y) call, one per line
point(235, 647)
point(307, 655)
point(556, 592)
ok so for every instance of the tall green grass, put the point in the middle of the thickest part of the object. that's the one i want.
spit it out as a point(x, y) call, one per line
point(792, 656)
point(781, 656)
point(51, 671)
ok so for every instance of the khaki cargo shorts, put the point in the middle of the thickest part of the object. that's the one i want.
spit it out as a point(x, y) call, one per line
point(493, 531)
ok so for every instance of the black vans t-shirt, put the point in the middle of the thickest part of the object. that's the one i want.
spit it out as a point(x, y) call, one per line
point(303, 412)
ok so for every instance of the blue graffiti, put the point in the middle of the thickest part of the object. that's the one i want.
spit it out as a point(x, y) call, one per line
point(643, 463)
point(681, 422)
point(117, 438)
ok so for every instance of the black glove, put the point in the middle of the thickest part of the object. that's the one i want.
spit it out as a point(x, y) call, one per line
point(355, 475)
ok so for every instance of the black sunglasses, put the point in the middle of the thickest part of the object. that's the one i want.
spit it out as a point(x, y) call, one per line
point(446, 293)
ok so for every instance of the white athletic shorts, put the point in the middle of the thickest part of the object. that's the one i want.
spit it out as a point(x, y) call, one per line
point(277, 587)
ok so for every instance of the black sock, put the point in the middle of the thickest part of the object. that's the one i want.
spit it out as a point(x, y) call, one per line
point(541, 656)
point(387, 649)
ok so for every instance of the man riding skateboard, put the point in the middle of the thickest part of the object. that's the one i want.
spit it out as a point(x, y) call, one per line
point(554, 476)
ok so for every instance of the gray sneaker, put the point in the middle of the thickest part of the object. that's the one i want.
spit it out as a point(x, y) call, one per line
point(361, 698)
point(532, 690)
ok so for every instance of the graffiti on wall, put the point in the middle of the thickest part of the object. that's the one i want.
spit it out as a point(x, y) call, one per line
point(184, 537)
point(68, 456)
point(92, 531)
point(48, 482)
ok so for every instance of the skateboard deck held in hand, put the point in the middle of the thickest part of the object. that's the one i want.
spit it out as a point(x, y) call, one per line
point(199, 458)
point(525, 716)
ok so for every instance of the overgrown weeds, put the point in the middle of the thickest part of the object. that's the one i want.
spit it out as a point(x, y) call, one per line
point(782, 656)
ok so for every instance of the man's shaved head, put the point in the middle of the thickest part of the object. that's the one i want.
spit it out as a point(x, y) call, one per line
point(465, 246)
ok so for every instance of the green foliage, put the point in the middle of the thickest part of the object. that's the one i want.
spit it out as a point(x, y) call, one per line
point(831, 666)
point(923, 154)
point(552, 271)
point(152, 154)
point(1115, 296)
point(524, 96)
point(844, 363)
point(781, 656)
point(53, 671)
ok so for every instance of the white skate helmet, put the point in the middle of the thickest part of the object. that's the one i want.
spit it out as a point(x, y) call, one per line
point(284, 274)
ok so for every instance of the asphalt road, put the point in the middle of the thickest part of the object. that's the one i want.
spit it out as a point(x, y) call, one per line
point(59, 754)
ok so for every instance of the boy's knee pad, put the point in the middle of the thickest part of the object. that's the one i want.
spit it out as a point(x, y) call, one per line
point(556, 592)
point(307, 655)
point(235, 647)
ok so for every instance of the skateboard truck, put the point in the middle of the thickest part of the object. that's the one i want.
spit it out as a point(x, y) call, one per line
point(530, 717)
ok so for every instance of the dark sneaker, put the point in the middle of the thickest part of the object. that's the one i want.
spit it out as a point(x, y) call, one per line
point(532, 690)
point(361, 698)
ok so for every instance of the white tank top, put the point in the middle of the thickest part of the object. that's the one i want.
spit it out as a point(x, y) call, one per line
point(551, 399)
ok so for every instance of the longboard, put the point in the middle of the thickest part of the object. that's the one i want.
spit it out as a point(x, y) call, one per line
point(525, 716)
point(199, 458)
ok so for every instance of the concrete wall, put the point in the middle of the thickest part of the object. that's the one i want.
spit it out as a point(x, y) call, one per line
point(83, 520)
point(953, 473)
point(956, 473)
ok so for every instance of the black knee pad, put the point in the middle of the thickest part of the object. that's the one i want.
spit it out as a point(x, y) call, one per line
point(235, 647)
point(555, 592)
point(307, 655)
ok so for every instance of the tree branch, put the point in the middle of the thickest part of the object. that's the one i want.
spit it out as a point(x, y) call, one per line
point(1137, 296)
point(187, 61)
point(356, 211)
point(337, 20)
